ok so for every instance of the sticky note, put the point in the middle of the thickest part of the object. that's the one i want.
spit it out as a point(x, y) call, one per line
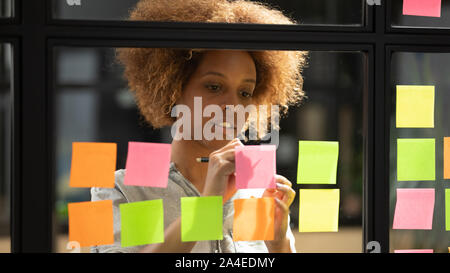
point(91, 223)
point(414, 209)
point(201, 218)
point(317, 162)
point(319, 210)
point(142, 223)
point(93, 164)
point(255, 166)
point(430, 8)
point(414, 251)
point(147, 164)
point(447, 209)
point(415, 106)
point(416, 159)
point(446, 157)
point(254, 219)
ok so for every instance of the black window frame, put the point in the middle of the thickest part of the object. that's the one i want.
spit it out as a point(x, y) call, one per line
point(33, 34)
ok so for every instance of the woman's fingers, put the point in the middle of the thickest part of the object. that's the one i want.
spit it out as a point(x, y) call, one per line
point(283, 180)
point(235, 142)
point(226, 152)
point(288, 193)
point(285, 186)
point(227, 155)
point(282, 205)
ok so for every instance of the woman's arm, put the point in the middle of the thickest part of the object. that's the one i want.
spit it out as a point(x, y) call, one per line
point(172, 241)
point(283, 246)
point(217, 183)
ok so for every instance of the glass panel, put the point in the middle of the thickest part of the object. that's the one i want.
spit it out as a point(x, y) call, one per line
point(92, 103)
point(87, 80)
point(6, 8)
point(317, 12)
point(5, 145)
point(421, 69)
point(400, 20)
point(334, 84)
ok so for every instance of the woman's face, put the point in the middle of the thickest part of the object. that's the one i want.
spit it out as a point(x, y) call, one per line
point(223, 77)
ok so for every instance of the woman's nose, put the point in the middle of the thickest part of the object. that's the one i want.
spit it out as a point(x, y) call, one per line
point(230, 99)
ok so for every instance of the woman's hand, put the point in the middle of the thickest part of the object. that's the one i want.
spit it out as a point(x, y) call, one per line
point(220, 179)
point(284, 196)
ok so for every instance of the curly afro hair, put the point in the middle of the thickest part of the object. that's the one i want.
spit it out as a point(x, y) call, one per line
point(156, 76)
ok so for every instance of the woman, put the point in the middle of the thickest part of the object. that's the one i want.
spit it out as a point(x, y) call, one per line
point(163, 78)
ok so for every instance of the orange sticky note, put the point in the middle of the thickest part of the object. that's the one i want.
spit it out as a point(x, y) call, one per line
point(254, 219)
point(93, 164)
point(91, 223)
point(446, 157)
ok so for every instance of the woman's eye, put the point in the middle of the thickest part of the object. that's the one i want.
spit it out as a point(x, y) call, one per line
point(213, 87)
point(246, 94)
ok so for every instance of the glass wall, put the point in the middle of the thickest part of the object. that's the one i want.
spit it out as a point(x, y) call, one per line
point(334, 85)
point(5, 145)
point(6, 8)
point(417, 68)
point(407, 21)
point(92, 103)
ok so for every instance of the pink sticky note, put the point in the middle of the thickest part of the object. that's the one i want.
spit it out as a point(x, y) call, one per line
point(414, 251)
point(147, 164)
point(255, 166)
point(431, 8)
point(414, 209)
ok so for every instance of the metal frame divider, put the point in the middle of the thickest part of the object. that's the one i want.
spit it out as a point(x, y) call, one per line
point(33, 35)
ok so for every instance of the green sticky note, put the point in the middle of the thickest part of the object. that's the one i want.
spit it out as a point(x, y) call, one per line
point(447, 210)
point(415, 106)
point(318, 210)
point(416, 159)
point(317, 162)
point(201, 218)
point(142, 223)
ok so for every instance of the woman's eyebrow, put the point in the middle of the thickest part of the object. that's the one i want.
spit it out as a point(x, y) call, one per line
point(223, 76)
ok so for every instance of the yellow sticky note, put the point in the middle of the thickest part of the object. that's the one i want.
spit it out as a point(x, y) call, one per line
point(319, 210)
point(415, 106)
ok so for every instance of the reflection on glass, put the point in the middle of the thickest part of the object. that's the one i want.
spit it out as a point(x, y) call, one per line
point(400, 20)
point(6, 8)
point(92, 103)
point(421, 69)
point(334, 83)
point(317, 12)
point(5, 145)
